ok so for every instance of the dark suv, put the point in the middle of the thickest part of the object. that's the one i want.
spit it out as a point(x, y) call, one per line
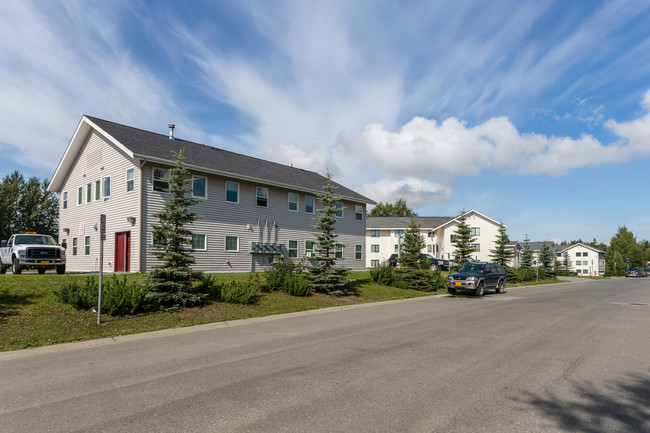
point(478, 277)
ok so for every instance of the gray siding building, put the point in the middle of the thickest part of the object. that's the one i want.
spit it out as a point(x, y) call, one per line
point(252, 210)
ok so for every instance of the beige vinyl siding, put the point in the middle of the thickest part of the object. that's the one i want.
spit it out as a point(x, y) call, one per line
point(251, 223)
point(97, 159)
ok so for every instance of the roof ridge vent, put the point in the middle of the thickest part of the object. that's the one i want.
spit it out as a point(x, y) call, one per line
point(171, 131)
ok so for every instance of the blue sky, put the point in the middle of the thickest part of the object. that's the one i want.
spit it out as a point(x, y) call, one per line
point(534, 113)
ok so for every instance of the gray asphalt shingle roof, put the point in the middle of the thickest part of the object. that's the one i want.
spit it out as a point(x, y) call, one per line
point(403, 222)
point(151, 145)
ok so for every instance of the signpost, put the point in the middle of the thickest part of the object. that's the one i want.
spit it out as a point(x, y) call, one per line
point(102, 238)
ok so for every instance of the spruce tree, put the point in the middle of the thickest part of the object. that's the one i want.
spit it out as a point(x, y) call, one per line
point(463, 241)
point(412, 244)
point(171, 283)
point(501, 253)
point(546, 256)
point(327, 278)
point(526, 255)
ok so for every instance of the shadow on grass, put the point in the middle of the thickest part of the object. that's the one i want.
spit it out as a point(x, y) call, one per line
point(623, 405)
point(9, 304)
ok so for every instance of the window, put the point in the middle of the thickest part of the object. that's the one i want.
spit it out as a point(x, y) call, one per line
point(89, 192)
point(130, 185)
point(87, 246)
point(293, 201)
point(374, 233)
point(358, 252)
point(396, 248)
point(198, 242)
point(98, 190)
point(232, 192)
point(339, 213)
point(309, 247)
point(431, 234)
point(358, 212)
point(262, 195)
point(65, 199)
point(80, 195)
point(293, 248)
point(74, 246)
point(584, 254)
point(157, 241)
point(476, 248)
point(199, 187)
point(309, 204)
point(374, 248)
point(232, 243)
point(339, 251)
point(429, 249)
point(578, 263)
point(578, 254)
point(106, 187)
point(398, 233)
point(160, 179)
point(475, 231)
point(374, 263)
point(452, 238)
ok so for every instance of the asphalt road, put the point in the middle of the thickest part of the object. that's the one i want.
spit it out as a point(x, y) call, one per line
point(568, 357)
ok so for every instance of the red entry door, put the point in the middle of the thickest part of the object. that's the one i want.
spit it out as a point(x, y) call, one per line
point(122, 251)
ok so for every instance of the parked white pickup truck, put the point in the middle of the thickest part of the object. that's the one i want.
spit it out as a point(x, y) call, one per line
point(31, 251)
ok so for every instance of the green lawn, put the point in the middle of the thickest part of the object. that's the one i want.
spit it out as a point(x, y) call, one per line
point(31, 315)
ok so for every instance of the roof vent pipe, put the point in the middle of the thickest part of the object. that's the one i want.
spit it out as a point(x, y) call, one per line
point(171, 131)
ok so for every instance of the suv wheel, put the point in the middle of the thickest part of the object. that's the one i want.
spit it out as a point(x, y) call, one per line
point(501, 287)
point(479, 290)
point(451, 291)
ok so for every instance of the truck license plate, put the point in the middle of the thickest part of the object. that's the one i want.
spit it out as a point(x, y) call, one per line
point(458, 283)
point(45, 262)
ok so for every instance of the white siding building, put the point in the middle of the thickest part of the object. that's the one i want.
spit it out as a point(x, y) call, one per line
point(252, 210)
point(583, 259)
point(384, 236)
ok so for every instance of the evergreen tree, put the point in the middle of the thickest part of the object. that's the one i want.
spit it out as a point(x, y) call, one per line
point(526, 255)
point(546, 256)
point(502, 254)
point(412, 245)
point(463, 241)
point(624, 243)
point(171, 283)
point(399, 209)
point(327, 278)
point(566, 262)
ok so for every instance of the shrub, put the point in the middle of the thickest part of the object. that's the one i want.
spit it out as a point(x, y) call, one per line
point(420, 279)
point(118, 297)
point(209, 286)
point(79, 296)
point(382, 275)
point(276, 276)
point(296, 285)
point(239, 292)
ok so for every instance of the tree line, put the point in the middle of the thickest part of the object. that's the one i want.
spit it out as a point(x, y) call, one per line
point(27, 205)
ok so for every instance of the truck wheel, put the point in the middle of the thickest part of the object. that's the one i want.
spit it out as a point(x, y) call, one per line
point(451, 291)
point(3, 268)
point(501, 287)
point(16, 267)
point(60, 270)
point(41, 270)
point(479, 290)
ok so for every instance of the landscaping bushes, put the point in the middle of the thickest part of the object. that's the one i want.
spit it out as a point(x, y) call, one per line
point(287, 277)
point(239, 292)
point(118, 296)
point(423, 280)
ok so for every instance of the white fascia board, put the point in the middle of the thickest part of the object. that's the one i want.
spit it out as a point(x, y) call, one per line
point(243, 177)
point(71, 152)
point(472, 212)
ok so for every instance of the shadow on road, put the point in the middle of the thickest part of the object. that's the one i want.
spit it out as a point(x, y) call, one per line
point(620, 406)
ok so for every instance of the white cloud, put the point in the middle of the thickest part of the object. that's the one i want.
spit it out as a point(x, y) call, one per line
point(416, 191)
point(635, 133)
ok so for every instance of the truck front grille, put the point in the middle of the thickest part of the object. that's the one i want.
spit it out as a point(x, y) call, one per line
point(43, 253)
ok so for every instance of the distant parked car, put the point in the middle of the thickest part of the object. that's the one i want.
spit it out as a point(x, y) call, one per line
point(643, 273)
point(632, 272)
point(478, 277)
point(441, 264)
point(393, 260)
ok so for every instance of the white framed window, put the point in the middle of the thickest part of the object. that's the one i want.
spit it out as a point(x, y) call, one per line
point(74, 246)
point(374, 263)
point(293, 248)
point(578, 263)
point(160, 179)
point(293, 201)
point(130, 181)
point(452, 238)
point(339, 212)
point(309, 247)
point(232, 243)
point(374, 248)
point(157, 242)
point(475, 231)
point(397, 248)
point(65, 199)
point(87, 246)
point(374, 233)
point(199, 187)
point(585, 254)
point(429, 248)
point(309, 204)
point(358, 212)
point(262, 196)
point(89, 192)
point(578, 254)
point(358, 252)
point(199, 242)
point(106, 186)
point(339, 252)
point(398, 233)
point(98, 190)
point(80, 195)
point(232, 192)
point(476, 248)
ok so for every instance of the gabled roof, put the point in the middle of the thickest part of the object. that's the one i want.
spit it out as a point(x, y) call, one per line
point(563, 248)
point(455, 219)
point(427, 223)
point(157, 148)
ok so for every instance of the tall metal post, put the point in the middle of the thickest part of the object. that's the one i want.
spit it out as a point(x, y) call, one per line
point(102, 238)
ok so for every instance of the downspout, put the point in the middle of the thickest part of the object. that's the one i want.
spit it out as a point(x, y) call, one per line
point(140, 237)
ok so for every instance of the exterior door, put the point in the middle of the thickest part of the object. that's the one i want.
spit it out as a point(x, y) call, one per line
point(122, 252)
